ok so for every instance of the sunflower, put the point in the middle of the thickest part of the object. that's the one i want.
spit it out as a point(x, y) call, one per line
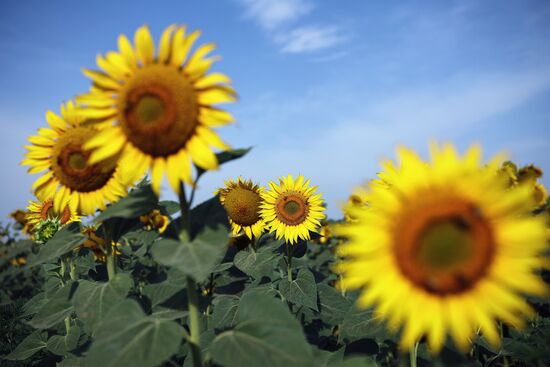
point(156, 220)
point(242, 201)
point(96, 244)
point(291, 209)
point(446, 249)
point(70, 177)
point(42, 211)
point(157, 110)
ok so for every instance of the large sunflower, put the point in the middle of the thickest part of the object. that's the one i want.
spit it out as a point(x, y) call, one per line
point(445, 248)
point(292, 209)
point(39, 211)
point(242, 200)
point(156, 109)
point(70, 177)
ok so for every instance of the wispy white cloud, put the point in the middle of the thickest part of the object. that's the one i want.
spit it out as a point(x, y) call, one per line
point(270, 14)
point(310, 38)
point(276, 18)
point(348, 152)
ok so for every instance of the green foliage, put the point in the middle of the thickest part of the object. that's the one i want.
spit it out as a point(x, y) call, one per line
point(67, 239)
point(93, 300)
point(164, 298)
point(197, 258)
point(266, 334)
point(127, 337)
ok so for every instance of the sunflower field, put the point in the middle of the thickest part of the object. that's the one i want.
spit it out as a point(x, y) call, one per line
point(442, 262)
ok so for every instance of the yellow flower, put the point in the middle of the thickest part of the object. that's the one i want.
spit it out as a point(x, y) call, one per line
point(156, 220)
point(20, 217)
point(242, 200)
point(96, 244)
point(18, 261)
point(42, 211)
point(157, 109)
point(69, 176)
point(291, 209)
point(325, 232)
point(447, 249)
point(358, 199)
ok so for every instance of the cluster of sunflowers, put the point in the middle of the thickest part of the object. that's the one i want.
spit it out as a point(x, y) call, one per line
point(422, 243)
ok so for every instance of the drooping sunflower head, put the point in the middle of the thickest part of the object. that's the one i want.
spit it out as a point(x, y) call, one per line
point(291, 209)
point(242, 201)
point(39, 211)
point(155, 219)
point(157, 108)
point(446, 249)
point(97, 244)
point(69, 176)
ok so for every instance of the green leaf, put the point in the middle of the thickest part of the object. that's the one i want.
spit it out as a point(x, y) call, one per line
point(208, 214)
point(62, 344)
point(127, 337)
point(169, 206)
point(266, 335)
point(67, 239)
point(360, 324)
point(255, 263)
point(302, 291)
point(197, 258)
point(139, 201)
point(334, 306)
point(225, 312)
point(55, 309)
point(160, 292)
point(226, 156)
point(29, 346)
point(93, 300)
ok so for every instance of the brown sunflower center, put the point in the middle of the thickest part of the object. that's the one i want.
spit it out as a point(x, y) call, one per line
point(69, 162)
point(47, 212)
point(158, 110)
point(242, 206)
point(291, 208)
point(445, 246)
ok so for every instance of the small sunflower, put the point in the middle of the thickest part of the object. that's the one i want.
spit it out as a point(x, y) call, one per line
point(447, 248)
point(157, 109)
point(96, 244)
point(292, 209)
point(156, 220)
point(242, 201)
point(70, 177)
point(42, 211)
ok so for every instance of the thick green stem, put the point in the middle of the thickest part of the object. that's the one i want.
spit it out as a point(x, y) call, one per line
point(185, 230)
point(194, 322)
point(289, 251)
point(413, 353)
point(194, 339)
point(72, 268)
point(111, 268)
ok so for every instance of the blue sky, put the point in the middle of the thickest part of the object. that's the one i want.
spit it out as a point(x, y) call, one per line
point(327, 88)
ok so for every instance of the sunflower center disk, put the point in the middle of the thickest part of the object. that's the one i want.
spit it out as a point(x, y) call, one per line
point(158, 110)
point(445, 248)
point(242, 206)
point(69, 163)
point(291, 209)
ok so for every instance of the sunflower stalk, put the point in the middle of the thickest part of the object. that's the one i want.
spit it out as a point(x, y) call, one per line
point(289, 252)
point(413, 354)
point(192, 296)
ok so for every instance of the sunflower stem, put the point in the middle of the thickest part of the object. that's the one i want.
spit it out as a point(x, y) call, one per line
point(413, 353)
point(289, 251)
point(192, 296)
point(185, 231)
point(194, 322)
